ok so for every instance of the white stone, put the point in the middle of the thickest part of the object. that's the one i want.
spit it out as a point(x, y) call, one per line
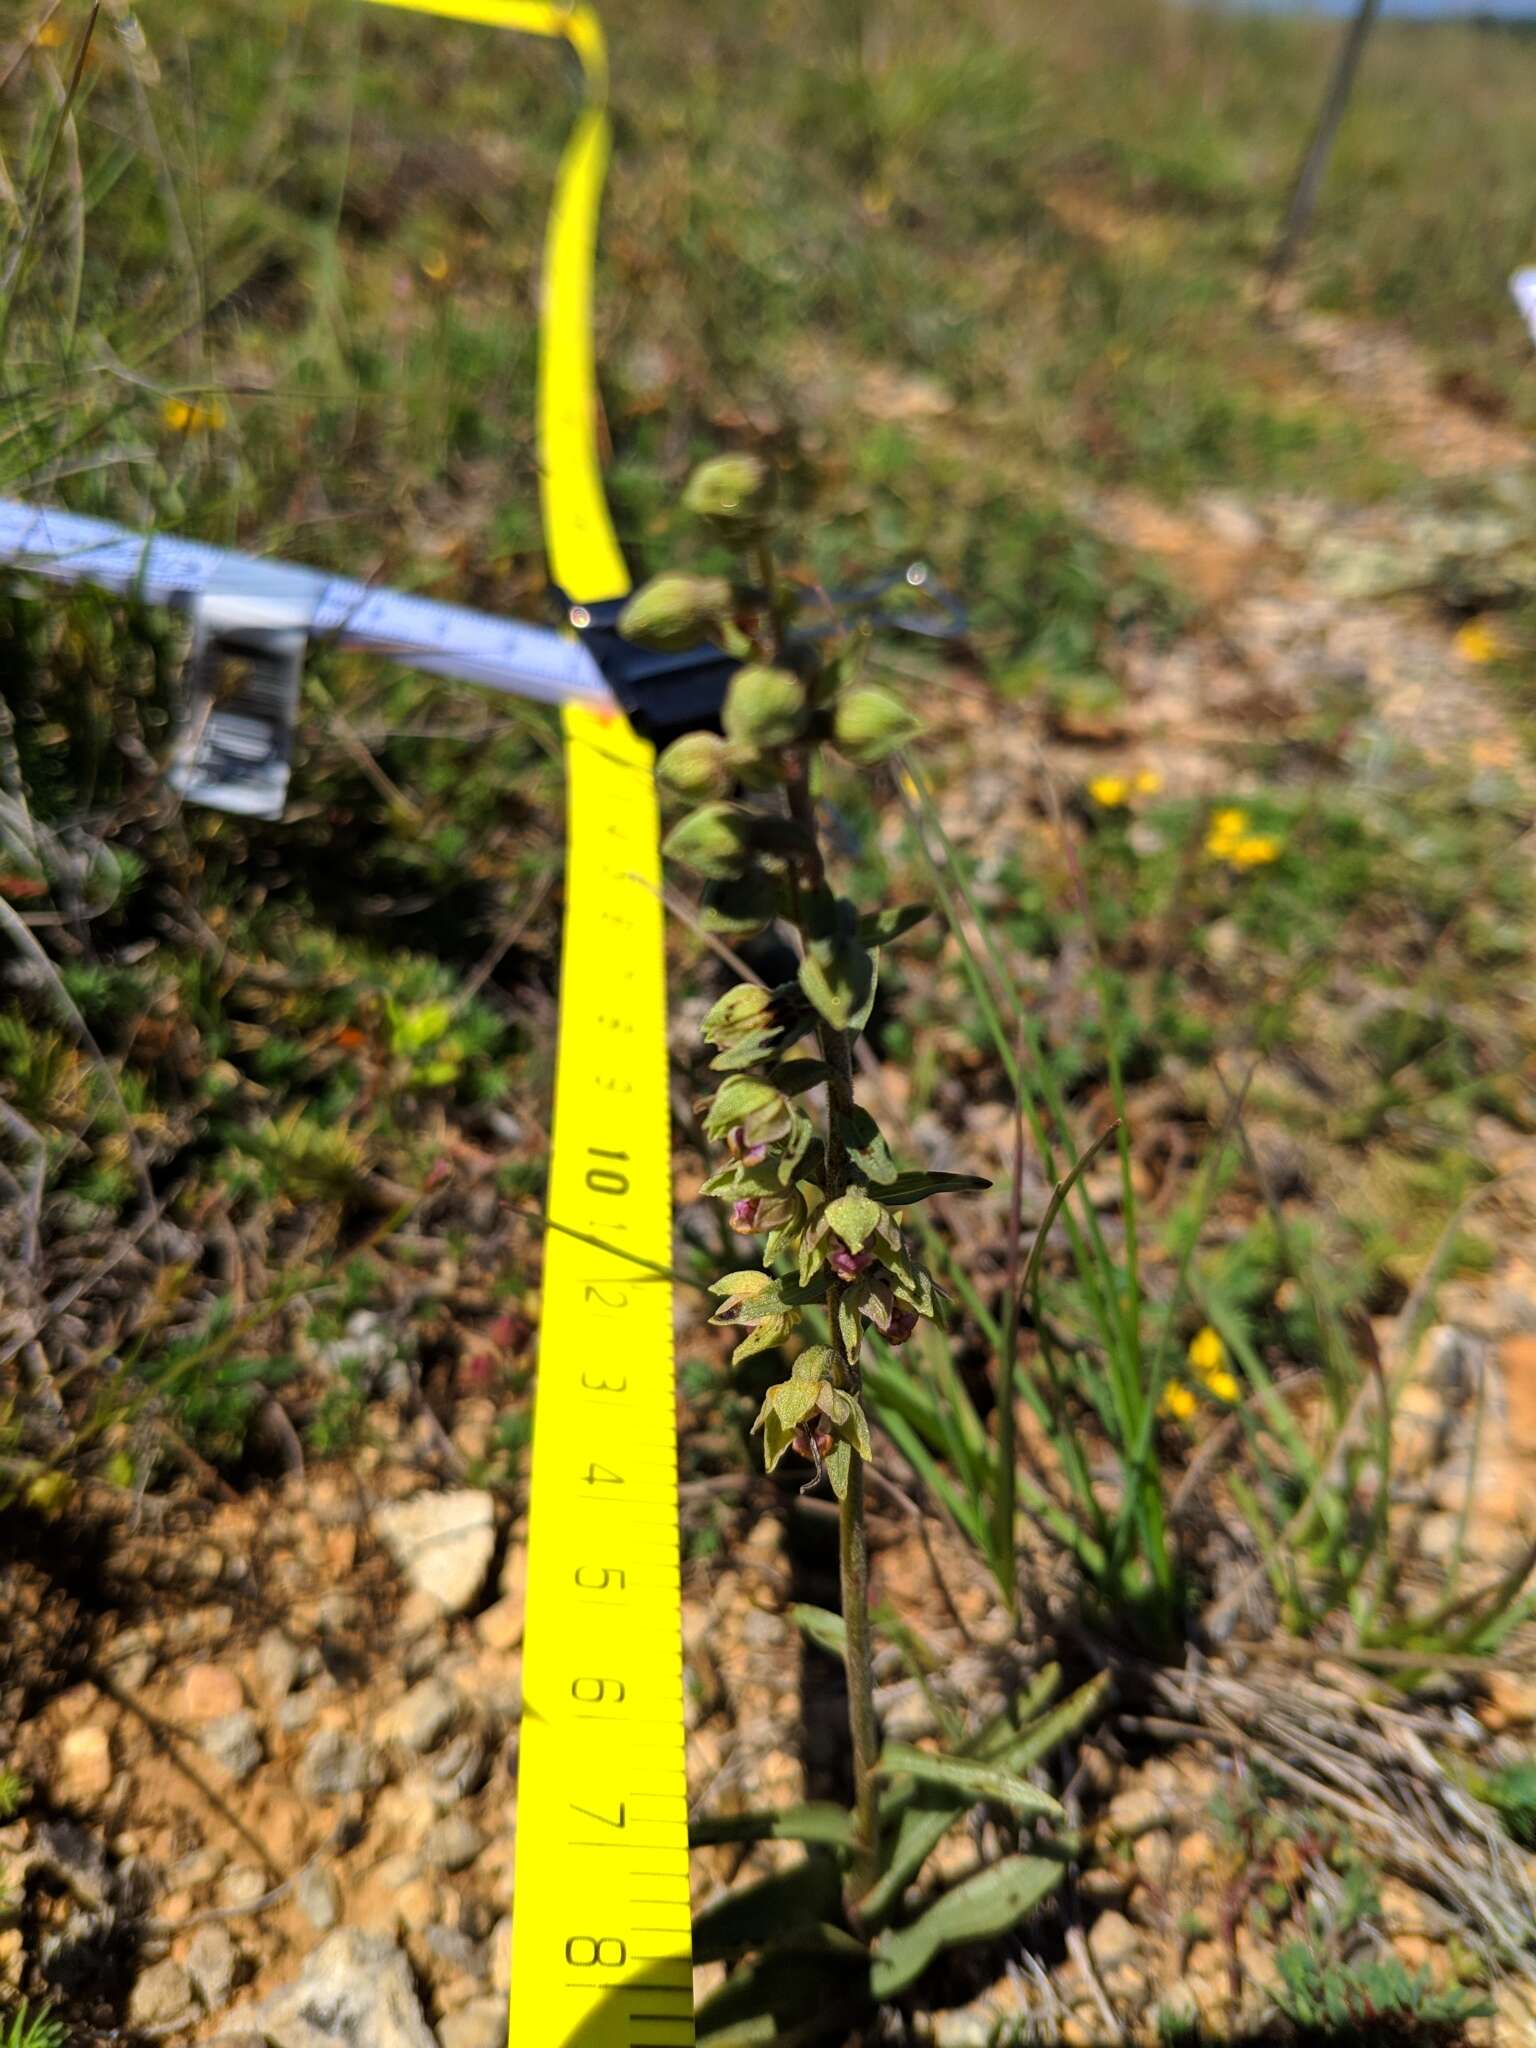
point(422, 1718)
point(480, 2024)
point(163, 1993)
point(211, 1963)
point(355, 1991)
point(443, 1542)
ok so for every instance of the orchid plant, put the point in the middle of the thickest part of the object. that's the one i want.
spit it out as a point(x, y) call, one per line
point(806, 1170)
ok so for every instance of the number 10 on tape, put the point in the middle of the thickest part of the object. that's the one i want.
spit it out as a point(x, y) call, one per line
point(600, 1948)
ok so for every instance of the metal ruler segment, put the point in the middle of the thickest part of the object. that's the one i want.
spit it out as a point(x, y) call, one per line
point(445, 639)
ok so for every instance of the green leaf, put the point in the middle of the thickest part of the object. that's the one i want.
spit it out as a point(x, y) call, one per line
point(854, 1218)
point(929, 1811)
point(867, 1148)
point(884, 927)
point(793, 1400)
point(980, 1909)
point(758, 1913)
point(838, 975)
point(849, 1301)
point(756, 1105)
point(748, 1052)
point(796, 1995)
point(968, 1776)
point(776, 1440)
point(927, 1816)
point(740, 909)
point(766, 1336)
point(773, 1297)
point(815, 1363)
point(715, 841)
point(823, 1627)
point(749, 1282)
point(839, 1464)
point(903, 1188)
point(846, 1418)
point(818, 1821)
point(793, 1077)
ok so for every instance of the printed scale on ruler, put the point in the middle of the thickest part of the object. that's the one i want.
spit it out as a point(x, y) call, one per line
point(601, 1923)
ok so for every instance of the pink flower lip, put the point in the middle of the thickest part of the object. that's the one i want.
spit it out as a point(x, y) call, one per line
point(849, 1265)
point(744, 1213)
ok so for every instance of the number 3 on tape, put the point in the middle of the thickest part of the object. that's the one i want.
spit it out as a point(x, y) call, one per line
point(601, 1945)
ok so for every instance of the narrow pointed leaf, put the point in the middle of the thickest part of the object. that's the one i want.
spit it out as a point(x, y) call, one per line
point(972, 1779)
point(818, 1821)
point(884, 927)
point(765, 1912)
point(824, 1628)
point(981, 1908)
point(897, 1192)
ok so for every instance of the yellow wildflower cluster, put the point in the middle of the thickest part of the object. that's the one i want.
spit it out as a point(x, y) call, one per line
point(189, 416)
point(1230, 840)
point(1480, 642)
point(1114, 792)
point(1207, 1356)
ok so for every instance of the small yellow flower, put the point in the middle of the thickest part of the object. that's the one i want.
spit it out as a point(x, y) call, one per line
point(1479, 642)
point(1227, 827)
point(1255, 851)
point(188, 416)
point(1109, 792)
point(435, 266)
point(1148, 782)
point(51, 35)
point(1206, 1353)
point(1177, 1402)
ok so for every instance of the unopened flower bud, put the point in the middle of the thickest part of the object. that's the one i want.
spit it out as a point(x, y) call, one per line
point(734, 493)
point(741, 1013)
point(764, 707)
point(714, 841)
point(903, 1322)
point(675, 612)
point(868, 723)
point(695, 766)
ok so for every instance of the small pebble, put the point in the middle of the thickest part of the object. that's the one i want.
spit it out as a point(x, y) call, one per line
point(452, 1842)
point(234, 1743)
point(335, 1765)
point(318, 1898)
point(162, 1994)
point(212, 1960)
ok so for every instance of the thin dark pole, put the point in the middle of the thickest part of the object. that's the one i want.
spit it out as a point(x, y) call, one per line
point(1303, 202)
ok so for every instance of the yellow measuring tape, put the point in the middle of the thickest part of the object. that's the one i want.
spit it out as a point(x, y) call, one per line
point(601, 1952)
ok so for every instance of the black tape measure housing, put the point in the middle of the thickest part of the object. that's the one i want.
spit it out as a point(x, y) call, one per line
point(662, 695)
